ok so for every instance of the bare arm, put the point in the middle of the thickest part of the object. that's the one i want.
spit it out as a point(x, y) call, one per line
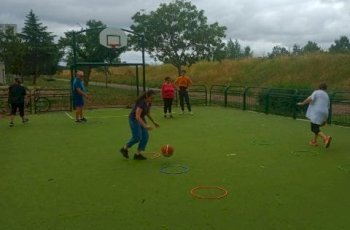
point(81, 92)
point(140, 120)
point(151, 119)
point(306, 101)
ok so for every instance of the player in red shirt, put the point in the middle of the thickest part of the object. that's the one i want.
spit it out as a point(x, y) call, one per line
point(168, 94)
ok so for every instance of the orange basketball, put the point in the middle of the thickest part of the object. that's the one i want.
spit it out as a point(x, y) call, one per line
point(167, 150)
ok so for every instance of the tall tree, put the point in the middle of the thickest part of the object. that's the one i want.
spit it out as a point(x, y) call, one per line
point(88, 47)
point(297, 49)
point(278, 51)
point(12, 51)
point(42, 54)
point(341, 46)
point(234, 50)
point(311, 47)
point(178, 34)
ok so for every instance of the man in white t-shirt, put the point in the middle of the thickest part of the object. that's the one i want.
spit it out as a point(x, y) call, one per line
point(317, 112)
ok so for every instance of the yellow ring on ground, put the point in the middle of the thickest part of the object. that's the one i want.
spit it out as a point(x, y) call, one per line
point(196, 195)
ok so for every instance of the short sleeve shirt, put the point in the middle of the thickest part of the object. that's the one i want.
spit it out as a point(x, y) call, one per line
point(16, 93)
point(318, 108)
point(145, 109)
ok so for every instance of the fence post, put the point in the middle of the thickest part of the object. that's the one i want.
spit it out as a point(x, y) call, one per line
point(294, 101)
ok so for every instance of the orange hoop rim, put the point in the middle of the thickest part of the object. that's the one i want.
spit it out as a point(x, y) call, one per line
point(196, 195)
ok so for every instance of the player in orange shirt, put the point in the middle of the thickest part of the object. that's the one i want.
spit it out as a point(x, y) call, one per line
point(182, 83)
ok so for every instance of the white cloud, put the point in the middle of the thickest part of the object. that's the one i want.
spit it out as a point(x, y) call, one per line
point(260, 24)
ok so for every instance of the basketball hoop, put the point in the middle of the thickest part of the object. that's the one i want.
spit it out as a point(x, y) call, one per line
point(114, 46)
point(113, 38)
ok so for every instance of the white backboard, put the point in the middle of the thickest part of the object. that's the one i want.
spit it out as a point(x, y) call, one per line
point(113, 38)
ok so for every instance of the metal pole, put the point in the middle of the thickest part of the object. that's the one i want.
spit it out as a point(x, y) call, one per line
point(143, 63)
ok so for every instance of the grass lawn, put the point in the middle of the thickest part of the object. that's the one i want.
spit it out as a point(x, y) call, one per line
point(55, 174)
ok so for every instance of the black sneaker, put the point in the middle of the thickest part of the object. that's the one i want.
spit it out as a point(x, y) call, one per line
point(25, 120)
point(139, 157)
point(83, 119)
point(124, 152)
point(11, 124)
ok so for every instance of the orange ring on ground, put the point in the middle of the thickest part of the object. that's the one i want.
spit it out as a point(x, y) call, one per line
point(152, 155)
point(194, 194)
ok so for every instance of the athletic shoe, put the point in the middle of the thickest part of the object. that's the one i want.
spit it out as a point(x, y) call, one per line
point(182, 112)
point(191, 113)
point(78, 121)
point(139, 157)
point(83, 119)
point(171, 116)
point(11, 124)
point(124, 152)
point(327, 141)
point(25, 120)
point(313, 143)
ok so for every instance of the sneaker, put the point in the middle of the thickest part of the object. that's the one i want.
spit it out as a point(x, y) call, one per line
point(327, 141)
point(171, 116)
point(83, 119)
point(313, 143)
point(182, 112)
point(190, 112)
point(78, 121)
point(165, 116)
point(25, 120)
point(139, 157)
point(124, 152)
point(11, 124)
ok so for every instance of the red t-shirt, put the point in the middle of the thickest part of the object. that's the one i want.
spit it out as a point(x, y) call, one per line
point(168, 90)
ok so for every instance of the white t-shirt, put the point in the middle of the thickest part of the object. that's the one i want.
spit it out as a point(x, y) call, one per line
point(318, 108)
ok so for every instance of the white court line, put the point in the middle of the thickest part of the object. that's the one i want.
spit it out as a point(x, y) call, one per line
point(68, 115)
point(107, 116)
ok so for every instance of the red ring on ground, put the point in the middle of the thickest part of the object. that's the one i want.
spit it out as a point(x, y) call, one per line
point(194, 194)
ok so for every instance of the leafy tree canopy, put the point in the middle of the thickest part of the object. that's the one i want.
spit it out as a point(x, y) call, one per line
point(342, 45)
point(234, 51)
point(88, 47)
point(177, 33)
point(42, 54)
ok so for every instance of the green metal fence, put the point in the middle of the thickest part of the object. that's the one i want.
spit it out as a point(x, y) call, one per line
point(265, 100)
point(279, 101)
point(40, 100)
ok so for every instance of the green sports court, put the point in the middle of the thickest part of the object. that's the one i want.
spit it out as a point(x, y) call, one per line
point(246, 170)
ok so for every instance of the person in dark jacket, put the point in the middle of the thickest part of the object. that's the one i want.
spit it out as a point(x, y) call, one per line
point(17, 93)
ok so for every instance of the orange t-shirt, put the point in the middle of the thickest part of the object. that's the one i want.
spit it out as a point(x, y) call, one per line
point(183, 82)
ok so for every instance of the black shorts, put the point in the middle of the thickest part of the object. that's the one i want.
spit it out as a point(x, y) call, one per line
point(315, 128)
point(20, 107)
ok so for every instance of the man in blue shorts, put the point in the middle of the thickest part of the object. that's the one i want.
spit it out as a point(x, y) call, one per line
point(79, 93)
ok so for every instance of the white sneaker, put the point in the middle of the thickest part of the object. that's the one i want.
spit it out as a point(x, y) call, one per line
point(191, 113)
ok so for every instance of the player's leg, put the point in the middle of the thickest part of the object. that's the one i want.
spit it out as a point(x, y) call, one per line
point(181, 98)
point(142, 144)
point(13, 113)
point(21, 112)
point(315, 128)
point(187, 100)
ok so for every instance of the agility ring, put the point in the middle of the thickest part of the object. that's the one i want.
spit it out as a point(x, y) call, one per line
point(195, 194)
point(174, 169)
point(152, 155)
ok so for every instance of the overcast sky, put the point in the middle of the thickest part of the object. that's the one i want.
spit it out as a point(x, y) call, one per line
point(260, 24)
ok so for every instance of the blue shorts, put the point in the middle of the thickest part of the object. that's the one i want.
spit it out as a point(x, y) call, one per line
point(79, 102)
